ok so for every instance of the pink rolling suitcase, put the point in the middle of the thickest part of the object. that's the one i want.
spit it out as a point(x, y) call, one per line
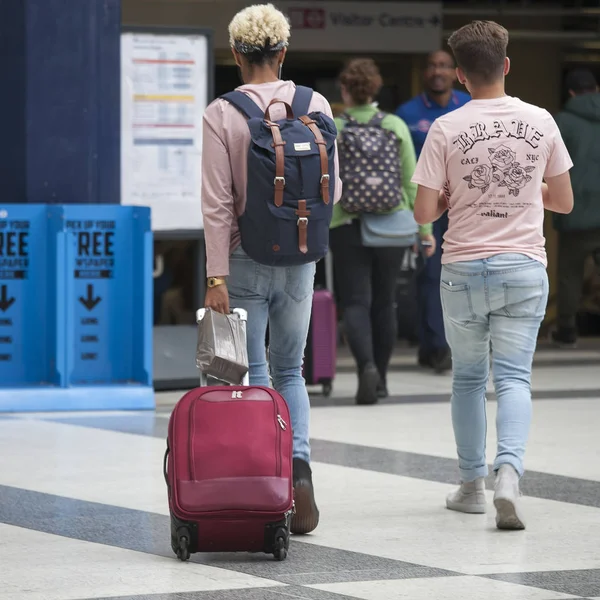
point(228, 469)
point(320, 356)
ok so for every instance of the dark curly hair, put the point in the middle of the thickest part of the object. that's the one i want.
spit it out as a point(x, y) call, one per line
point(361, 79)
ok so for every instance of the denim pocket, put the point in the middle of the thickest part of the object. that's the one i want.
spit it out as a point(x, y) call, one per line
point(244, 278)
point(300, 281)
point(525, 299)
point(456, 301)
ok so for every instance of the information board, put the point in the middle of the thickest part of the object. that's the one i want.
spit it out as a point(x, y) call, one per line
point(26, 316)
point(108, 281)
point(165, 80)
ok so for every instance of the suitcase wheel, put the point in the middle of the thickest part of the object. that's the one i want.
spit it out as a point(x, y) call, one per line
point(327, 388)
point(282, 541)
point(183, 550)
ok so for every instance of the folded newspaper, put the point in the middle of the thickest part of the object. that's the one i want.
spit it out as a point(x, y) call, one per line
point(221, 352)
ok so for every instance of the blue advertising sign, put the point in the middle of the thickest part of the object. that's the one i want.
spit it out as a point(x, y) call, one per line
point(27, 298)
point(108, 295)
point(75, 307)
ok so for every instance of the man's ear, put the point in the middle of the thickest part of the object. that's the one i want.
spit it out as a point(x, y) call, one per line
point(282, 56)
point(460, 75)
point(236, 57)
point(506, 66)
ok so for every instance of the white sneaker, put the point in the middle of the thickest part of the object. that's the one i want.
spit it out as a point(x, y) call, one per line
point(469, 497)
point(507, 499)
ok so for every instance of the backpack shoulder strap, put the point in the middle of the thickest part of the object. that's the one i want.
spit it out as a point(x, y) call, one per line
point(377, 119)
point(348, 119)
point(302, 100)
point(244, 104)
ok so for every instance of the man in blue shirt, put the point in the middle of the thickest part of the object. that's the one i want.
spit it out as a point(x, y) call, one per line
point(437, 99)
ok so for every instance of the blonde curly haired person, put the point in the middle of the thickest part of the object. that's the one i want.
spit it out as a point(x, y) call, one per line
point(274, 296)
point(257, 28)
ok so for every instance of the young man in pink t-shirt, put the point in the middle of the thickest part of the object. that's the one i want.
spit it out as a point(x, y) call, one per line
point(486, 163)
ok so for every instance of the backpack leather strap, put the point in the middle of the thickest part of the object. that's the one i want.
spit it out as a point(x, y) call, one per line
point(322, 146)
point(278, 144)
point(303, 215)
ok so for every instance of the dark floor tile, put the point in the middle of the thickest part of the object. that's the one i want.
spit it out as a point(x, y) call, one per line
point(559, 488)
point(445, 470)
point(363, 574)
point(150, 533)
point(244, 594)
point(577, 583)
point(277, 593)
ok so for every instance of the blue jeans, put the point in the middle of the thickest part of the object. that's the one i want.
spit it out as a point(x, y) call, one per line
point(432, 336)
point(493, 304)
point(280, 297)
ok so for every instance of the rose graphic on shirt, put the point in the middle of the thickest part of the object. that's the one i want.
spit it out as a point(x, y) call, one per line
point(505, 171)
point(501, 158)
point(480, 177)
point(516, 178)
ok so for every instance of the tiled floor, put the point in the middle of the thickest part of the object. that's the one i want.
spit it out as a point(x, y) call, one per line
point(83, 511)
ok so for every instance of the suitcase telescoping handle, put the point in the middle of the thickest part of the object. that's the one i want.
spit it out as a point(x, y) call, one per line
point(243, 315)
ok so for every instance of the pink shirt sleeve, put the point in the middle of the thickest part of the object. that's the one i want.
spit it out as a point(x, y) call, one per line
point(559, 161)
point(320, 103)
point(217, 192)
point(431, 166)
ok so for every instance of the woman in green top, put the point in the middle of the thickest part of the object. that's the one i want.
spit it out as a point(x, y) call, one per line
point(366, 276)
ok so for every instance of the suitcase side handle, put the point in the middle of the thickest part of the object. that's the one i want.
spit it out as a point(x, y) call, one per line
point(165, 466)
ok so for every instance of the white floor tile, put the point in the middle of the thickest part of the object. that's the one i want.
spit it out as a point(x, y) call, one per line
point(84, 463)
point(39, 566)
point(441, 588)
point(405, 519)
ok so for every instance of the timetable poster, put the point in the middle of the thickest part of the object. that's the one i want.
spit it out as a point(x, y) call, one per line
point(164, 90)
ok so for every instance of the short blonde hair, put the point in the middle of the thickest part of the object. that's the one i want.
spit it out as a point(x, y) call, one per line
point(480, 50)
point(259, 28)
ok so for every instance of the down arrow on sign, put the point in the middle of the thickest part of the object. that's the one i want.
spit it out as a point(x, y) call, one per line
point(90, 302)
point(5, 301)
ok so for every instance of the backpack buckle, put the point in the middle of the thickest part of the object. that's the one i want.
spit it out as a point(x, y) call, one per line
point(279, 180)
point(302, 221)
point(324, 177)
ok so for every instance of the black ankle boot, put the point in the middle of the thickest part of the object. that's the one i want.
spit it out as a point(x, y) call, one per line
point(306, 518)
point(382, 391)
point(368, 381)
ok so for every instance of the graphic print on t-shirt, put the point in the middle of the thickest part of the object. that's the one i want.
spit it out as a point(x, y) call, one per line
point(490, 159)
point(504, 169)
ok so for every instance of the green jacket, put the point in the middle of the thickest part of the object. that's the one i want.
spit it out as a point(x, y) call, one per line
point(408, 160)
point(579, 124)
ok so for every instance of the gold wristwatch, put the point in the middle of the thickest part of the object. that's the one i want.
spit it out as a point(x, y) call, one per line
point(214, 282)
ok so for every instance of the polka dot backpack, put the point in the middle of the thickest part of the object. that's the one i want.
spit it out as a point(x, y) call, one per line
point(369, 166)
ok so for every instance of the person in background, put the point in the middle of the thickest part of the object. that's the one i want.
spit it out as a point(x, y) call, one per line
point(578, 232)
point(437, 99)
point(280, 297)
point(366, 276)
point(486, 164)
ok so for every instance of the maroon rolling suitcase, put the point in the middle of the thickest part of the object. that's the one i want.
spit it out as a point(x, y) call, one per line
point(228, 469)
point(320, 356)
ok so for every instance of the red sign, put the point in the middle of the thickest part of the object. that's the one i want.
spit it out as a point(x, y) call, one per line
point(308, 18)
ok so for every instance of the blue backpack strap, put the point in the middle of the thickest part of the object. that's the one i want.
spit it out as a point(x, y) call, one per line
point(244, 104)
point(302, 100)
point(377, 119)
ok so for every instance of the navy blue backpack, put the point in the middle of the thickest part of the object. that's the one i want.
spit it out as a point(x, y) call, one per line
point(291, 181)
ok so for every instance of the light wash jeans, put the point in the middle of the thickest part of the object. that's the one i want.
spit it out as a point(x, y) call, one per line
point(497, 303)
point(282, 298)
